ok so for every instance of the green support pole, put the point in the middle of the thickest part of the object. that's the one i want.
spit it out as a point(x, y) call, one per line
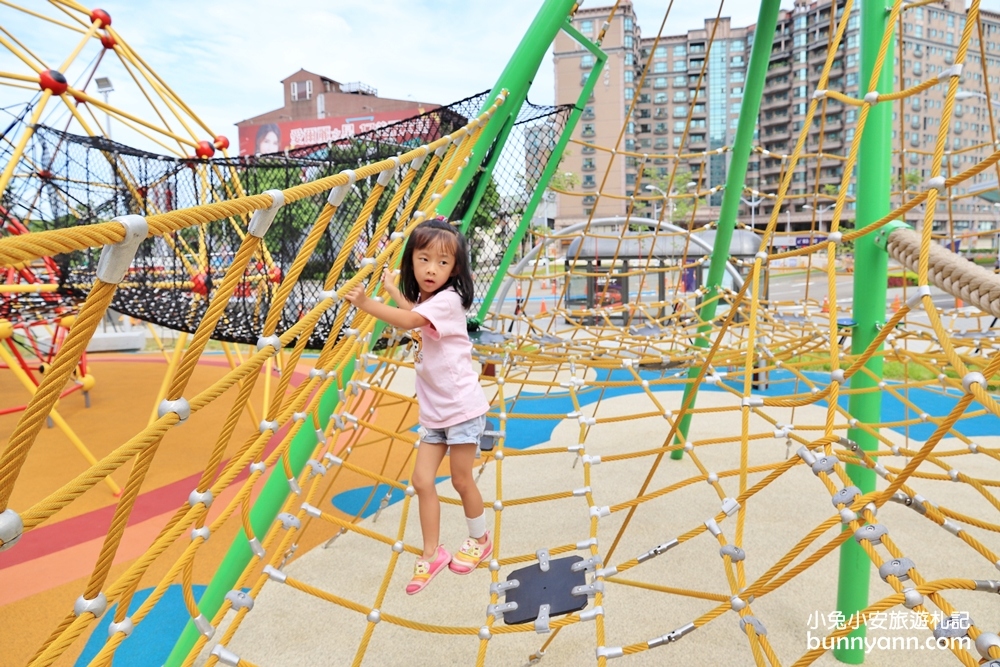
point(262, 515)
point(870, 286)
point(516, 79)
point(760, 56)
point(550, 167)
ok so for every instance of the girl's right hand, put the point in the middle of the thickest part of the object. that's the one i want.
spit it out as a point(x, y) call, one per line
point(357, 296)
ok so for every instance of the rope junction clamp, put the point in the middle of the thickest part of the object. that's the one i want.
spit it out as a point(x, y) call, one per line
point(11, 528)
point(117, 257)
point(263, 217)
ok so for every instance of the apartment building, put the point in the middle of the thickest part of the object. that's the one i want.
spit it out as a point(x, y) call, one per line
point(701, 76)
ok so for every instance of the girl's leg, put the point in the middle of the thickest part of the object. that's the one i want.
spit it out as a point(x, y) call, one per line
point(463, 458)
point(429, 457)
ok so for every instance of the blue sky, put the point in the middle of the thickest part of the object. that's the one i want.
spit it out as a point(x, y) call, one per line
point(225, 58)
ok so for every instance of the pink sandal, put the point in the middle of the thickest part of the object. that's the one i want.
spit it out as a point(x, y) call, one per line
point(424, 570)
point(471, 555)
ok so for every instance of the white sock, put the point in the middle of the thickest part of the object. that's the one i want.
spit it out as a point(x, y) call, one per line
point(477, 526)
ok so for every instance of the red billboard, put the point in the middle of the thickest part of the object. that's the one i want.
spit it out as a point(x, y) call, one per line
point(273, 137)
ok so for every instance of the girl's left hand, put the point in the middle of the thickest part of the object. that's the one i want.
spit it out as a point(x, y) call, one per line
point(357, 296)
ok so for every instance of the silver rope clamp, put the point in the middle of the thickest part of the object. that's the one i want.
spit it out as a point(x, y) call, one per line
point(204, 627)
point(819, 94)
point(755, 622)
point(975, 377)
point(897, 567)
point(658, 550)
point(266, 426)
point(671, 636)
point(612, 652)
point(96, 606)
point(388, 174)
point(240, 600)
point(273, 340)
point(117, 257)
point(338, 193)
point(871, 98)
point(263, 217)
point(203, 497)
point(915, 300)
point(225, 656)
point(180, 407)
point(125, 626)
point(954, 70)
point(11, 528)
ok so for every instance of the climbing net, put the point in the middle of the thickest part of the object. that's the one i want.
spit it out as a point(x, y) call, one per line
point(600, 388)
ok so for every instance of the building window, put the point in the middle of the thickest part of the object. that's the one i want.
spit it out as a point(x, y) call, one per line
point(680, 51)
point(589, 164)
point(629, 76)
point(680, 112)
point(661, 98)
point(677, 142)
point(587, 28)
point(680, 66)
point(628, 23)
point(295, 91)
point(660, 82)
point(629, 60)
point(680, 96)
point(736, 77)
point(629, 93)
point(628, 41)
point(588, 181)
point(587, 61)
point(588, 130)
point(678, 125)
point(309, 90)
point(660, 67)
point(660, 52)
point(737, 91)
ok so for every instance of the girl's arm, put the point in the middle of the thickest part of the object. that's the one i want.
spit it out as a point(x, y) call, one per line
point(388, 281)
point(398, 317)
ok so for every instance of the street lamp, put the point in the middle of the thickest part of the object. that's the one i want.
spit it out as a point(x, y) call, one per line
point(104, 87)
point(753, 204)
point(819, 213)
point(966, 94)
point(670, 201)
point(656, 208)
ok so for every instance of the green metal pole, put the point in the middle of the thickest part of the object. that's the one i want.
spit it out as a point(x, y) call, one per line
point(516, 79)
point(870, 286)
point(555, 158)
point(760, 56)
point(262, 515)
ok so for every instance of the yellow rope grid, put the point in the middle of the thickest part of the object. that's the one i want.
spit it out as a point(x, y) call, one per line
point(751, 338)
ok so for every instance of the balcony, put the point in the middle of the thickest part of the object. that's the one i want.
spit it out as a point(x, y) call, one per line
point(769, 119)
point(775, 103)
point(777, 69)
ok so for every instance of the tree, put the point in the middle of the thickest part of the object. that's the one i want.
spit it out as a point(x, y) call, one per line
point(681, 208)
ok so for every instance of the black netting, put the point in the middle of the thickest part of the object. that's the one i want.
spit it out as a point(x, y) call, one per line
point(68, 180)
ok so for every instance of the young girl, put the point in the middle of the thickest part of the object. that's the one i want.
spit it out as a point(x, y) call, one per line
point(436, 289)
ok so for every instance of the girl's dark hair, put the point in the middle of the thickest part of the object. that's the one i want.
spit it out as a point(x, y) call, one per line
point(428, 233)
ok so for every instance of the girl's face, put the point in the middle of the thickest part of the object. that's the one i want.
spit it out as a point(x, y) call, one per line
point(268, 143)
point(433, 266)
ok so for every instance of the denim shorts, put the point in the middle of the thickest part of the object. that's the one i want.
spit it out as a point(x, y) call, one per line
point(464, 433)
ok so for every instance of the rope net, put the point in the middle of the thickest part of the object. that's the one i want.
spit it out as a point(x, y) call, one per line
point(596, 384)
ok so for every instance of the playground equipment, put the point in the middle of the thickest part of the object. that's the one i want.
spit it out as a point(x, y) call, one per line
point(828, 451)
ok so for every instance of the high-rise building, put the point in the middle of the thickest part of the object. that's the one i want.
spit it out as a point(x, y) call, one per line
point(689, 103)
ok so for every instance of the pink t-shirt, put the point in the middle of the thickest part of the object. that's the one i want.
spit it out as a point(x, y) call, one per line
point(448, 389)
